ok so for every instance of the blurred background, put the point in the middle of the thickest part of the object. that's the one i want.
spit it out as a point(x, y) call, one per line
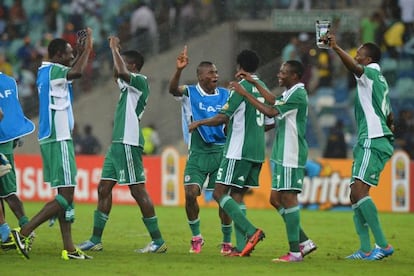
point(214, 30)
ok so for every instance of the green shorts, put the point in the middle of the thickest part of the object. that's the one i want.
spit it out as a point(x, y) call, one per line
point(8, 181)
point(287, 179)
point(59, 166)
point(239, 173)
point(123, 164)
point(199, 166)
point(370, 157)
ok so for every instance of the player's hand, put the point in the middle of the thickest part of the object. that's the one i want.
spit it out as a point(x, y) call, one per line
point(241, 74)
point(235, 86)
point(114, 42)
point(5, 166)
point(182, 59)
point(1, 114)
point(18, 142)
point(390, 122)
point(192, 126)
point(89, 39)
point(331, 39)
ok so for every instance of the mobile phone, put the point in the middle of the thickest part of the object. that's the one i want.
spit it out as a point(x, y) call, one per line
point(322, 28)
point(81, 36)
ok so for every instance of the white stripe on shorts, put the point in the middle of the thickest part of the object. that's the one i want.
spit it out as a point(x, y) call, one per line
point(365, 160)
point(230, 171)
point(288, 177)
point(130, 164)
point(65, 163)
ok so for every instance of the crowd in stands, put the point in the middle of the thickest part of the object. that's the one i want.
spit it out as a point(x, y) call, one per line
point(26, 27)
point(331, 88)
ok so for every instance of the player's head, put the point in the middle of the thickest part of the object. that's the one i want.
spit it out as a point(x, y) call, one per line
point(207, 76)
point(133, 59)
point(60, 51)
point(296, 67)
point(368, 53)
point(290, 73)
point(248, 60)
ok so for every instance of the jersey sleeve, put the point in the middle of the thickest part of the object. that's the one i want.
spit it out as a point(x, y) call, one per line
point(232, 104)
point(291, 103)
point(139, 81)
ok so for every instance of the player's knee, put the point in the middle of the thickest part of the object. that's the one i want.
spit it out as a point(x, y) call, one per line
point(274, 202)
point(104, 191)
point(191, 192)
point(138, 192)
point(217, 195)
point(67, 206)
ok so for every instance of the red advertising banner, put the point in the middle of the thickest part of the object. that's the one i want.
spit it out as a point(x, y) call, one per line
point(30, 185)
point(329, 190)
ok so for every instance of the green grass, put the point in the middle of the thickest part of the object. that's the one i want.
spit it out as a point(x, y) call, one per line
point(332, 231)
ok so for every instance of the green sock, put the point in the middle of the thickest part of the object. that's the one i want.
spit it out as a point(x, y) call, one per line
point(302, 235)
point(233, 210)
point(195, 227)
point(362, 229)
point(154, 231)
point(226, 229)
point(23, 220)
point(292, 222)
point(99, 222)
point(370, 214)
point(240, 236)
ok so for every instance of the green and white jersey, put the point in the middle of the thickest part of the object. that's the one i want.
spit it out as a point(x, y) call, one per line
point(290, 148)
point(56, 119)
point(372, 103)
point(129, 110)
point(245, 131)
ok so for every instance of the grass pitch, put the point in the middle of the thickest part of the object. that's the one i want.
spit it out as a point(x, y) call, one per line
point(333, 232)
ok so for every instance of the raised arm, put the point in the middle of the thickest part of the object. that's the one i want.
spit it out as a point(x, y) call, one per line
point(269, 97)
point(347, 60)
point(120, 69)
point(262, 107)
point(84, 48)
point(219, 119)
point(181, 63)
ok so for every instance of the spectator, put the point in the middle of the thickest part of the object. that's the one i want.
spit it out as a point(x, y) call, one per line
point(77, 139)
point(78, 10)
point(393, 38)
point(26, 53)
point(152, 139)
point(291, 50)
point(188, 19)
point(324, 65)
point(5, 66)
point(143, 30)
point(294, 4)
point(4, 17)
point(404, 130)
point(89, 143)
point(27, 85)
point(336, 146)
point(69, 34)
point(18, 17)
point(407, 16)
point(53, 18)
point(369, 27)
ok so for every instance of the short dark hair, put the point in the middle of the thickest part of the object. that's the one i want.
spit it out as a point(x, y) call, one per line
point(373, 51)
point(203, 64)
point(134, 57)
point(55, 46)
point(296, 67)
point(248, 60)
